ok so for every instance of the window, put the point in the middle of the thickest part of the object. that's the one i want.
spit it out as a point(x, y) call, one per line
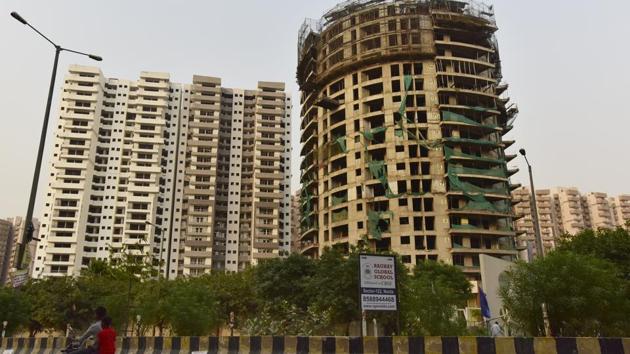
point(419, 242)
point(431, 242)
point(405, 240)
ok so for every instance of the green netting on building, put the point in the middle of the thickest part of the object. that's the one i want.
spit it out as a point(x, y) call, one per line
point(479, 108)
point(369, 134)
point(407, 80)
point(374, 220)
point(305, 226)
point(449, 153)
point(339, 215)
point(306, 208)
point(493, 172)
point(448, 116)
point(339, 200)
point(452, 139)
point(422, 141)
point(479, 202)
point(377, 169)
point(341, 142)
point(476, 199)
point(466, 187)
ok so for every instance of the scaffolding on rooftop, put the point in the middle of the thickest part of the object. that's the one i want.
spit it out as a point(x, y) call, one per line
point(474, 8)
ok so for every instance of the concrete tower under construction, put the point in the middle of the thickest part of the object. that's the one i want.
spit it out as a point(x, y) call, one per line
point(402, 124)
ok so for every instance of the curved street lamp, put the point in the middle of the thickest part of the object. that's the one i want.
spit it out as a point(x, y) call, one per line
point(27, 235)
point(540, 253)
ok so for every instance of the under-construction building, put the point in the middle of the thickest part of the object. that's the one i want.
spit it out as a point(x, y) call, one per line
point(402, 121)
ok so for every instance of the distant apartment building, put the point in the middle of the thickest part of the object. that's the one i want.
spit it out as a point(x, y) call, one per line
point(564, 210)
point(599, 211)
point(18, 230)
point(193, 176)
point(571, 209)
point(6, 236)
point(525, 225)
point(621, 209)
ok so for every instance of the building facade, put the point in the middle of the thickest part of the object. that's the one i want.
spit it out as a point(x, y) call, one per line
point(17, 224)
point(621, 210)
point(547, 218)
point(6, 237)
point(402, 127)
point(564, 210)
point(296, 246)
point(192, 177)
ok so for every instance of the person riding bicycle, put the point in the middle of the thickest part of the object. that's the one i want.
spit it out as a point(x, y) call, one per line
point(91, 332)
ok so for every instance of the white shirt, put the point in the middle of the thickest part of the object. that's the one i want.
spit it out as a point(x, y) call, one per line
point(495, 330)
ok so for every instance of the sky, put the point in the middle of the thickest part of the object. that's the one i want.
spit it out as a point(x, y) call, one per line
point(566, 61)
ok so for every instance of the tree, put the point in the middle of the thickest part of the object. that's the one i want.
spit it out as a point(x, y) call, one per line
point(287, 319)
point(13, 309)
point(284, 279)
point(431, 297)
point(51, 301)
point(191, 308)
point(585, 296)
point(611, 245)
point(103, 290)
point(234, 293)
point(334, 288)
point(152, 299)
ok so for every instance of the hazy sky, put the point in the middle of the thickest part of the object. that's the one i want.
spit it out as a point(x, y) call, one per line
point(567, 63)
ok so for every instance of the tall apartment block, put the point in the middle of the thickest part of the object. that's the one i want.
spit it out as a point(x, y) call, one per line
point(564, 210)
point(402, 127)
point(193, 176)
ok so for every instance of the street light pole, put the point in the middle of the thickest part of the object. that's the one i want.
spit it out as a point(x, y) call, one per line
point(534, 208)
point(27, 234)
point(538, 238)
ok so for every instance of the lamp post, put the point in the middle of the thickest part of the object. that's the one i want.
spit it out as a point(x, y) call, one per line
point(538, 238)
point(27, 235)
point(161, 239)
point(534, 208)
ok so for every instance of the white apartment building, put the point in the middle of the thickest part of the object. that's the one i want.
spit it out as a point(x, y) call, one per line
point(166, 171)
point(621, 209)
point(564, 210)
point(547, 218)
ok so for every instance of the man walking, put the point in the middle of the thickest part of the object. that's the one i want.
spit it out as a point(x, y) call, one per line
point(495, 329)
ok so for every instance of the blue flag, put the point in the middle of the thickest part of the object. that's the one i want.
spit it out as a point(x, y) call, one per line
point(483, 302)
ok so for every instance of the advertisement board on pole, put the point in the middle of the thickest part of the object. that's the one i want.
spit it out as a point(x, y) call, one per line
point(378, 283)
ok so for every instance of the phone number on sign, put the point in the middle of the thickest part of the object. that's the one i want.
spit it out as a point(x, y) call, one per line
point(372, 298)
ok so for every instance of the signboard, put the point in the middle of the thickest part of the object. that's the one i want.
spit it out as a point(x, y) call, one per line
point(378, 283)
